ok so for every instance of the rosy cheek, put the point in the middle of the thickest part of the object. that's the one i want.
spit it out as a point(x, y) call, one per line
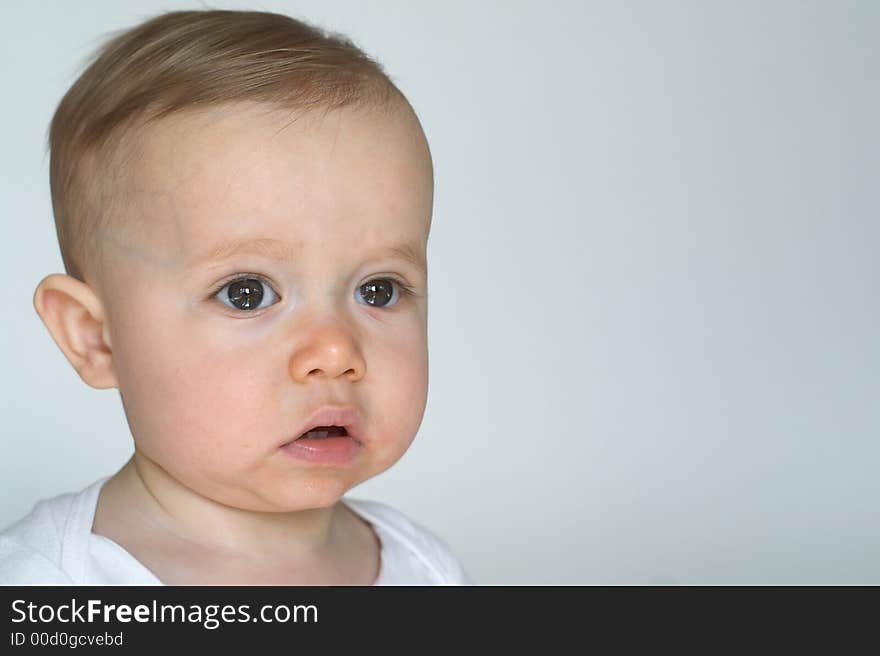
point(206, 408)
point(408, 380)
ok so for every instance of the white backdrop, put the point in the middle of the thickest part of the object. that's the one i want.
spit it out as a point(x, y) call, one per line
point(653, 270)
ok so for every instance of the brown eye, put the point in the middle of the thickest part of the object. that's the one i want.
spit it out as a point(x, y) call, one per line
point(245, 293)
point(378, 293)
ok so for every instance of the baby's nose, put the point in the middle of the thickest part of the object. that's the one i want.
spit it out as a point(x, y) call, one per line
point(327, 351)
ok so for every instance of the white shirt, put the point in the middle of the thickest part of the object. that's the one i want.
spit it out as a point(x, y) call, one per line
point(54, 545)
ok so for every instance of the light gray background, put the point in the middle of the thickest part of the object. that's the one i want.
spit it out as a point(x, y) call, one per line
point(654, 309)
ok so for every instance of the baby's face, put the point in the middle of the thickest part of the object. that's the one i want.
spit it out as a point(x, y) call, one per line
point(223, 354)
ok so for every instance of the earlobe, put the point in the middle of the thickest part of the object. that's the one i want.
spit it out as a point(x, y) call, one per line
point(76, 321)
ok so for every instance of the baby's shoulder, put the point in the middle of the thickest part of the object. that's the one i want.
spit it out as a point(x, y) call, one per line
point(419, 541)
point(31, 549)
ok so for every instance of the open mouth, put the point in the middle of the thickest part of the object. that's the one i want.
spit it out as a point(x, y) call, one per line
point(323, 432)
point(329, 436)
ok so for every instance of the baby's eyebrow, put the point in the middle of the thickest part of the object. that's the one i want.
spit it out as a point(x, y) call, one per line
point(412, 254)
point(275, 249)
point(278, 249)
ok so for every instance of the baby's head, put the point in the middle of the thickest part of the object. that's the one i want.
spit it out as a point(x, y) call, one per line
point(243, 206)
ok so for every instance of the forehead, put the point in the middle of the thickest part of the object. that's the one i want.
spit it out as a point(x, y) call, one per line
point(350, 178)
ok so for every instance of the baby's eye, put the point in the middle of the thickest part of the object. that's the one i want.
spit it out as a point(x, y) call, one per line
point(380, 292)
point(245, 293)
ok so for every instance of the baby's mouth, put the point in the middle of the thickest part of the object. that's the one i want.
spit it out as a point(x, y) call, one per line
point(325, 446)
point(321, 432)
point(328, 428)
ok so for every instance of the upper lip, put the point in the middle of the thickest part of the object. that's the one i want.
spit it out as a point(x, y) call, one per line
point(332, 415)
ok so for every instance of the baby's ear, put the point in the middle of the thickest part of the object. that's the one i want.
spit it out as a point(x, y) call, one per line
point(75, 318)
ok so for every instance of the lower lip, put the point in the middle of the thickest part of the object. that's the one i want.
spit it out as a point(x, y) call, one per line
point(324, 451)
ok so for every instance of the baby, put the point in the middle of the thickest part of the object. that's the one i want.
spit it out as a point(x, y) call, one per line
point(242, 204)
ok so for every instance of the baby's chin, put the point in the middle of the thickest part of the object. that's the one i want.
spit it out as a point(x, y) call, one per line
point(286, 496)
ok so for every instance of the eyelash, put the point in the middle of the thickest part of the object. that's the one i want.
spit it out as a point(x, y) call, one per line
point(405, 290)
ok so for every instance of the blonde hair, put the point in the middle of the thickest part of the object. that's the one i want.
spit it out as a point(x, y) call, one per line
point(182, 60)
